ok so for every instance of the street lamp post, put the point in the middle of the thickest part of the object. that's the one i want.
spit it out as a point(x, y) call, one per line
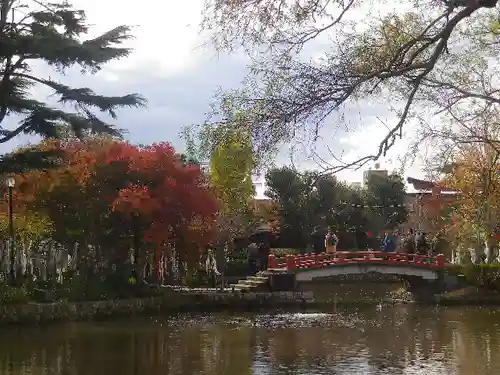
point(11, 182)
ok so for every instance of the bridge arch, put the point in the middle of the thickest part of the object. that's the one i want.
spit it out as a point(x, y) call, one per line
point(316, 274)
point(314, 267)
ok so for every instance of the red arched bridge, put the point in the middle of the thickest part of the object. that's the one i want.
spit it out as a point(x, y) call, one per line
point(307, 267)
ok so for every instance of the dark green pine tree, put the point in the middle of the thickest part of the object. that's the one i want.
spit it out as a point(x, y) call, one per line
point(53, 32)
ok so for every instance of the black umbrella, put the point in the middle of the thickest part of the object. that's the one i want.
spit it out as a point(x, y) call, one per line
point(262, 233)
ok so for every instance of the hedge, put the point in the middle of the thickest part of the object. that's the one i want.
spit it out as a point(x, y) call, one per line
point(481, 275)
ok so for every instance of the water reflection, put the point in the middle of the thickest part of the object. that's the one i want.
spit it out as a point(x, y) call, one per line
point(396, 340)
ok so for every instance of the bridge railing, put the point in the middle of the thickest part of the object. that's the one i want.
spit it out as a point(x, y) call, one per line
point(305, 261)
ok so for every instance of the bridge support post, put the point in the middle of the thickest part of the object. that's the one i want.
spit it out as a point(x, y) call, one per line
point(282, 282)
point(272, 262)
point(440, 260)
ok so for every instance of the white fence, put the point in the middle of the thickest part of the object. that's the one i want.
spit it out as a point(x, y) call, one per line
point(49, 260)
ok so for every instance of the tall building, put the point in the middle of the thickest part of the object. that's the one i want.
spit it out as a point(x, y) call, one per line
point(371, 173)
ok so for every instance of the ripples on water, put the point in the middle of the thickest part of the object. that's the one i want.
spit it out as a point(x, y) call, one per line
point(376, 340)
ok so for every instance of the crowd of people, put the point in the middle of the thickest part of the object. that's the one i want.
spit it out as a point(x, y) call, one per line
point(412, 242)
point(416, 243)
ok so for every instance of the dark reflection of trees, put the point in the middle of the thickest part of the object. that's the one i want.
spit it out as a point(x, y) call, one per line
point(126, 350)
point(315, 347)
point(476, 339)
point(399, 337)
point(386, 340)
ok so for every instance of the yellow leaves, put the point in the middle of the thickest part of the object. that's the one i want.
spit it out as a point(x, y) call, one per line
point(231, 167)
point(29, 226)
point(477, 180)
point(495, 27)
point(476, 171)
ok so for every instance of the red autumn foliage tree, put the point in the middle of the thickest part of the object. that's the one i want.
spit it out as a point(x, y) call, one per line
point(108, 192)
point(172, 197)
point(64, 194)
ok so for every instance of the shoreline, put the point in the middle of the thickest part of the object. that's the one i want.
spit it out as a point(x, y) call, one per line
point(169, 303)
point(210, 301)
point(465, 296)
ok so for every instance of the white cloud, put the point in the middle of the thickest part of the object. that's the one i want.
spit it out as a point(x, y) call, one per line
point(178, 77)
point(166, 33)
point(354, 132)
point(366, 141)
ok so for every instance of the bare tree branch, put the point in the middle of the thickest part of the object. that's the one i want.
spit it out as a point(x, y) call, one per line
point(398, 56)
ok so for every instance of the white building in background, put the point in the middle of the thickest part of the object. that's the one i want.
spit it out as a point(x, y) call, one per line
point(259, 184)
point(205, 167)
point(370, 173)
point(356, 185)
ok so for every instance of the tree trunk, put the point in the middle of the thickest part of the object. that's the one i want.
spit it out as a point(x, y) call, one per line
point(491, 245)
point(136, 243)
point(220, 256)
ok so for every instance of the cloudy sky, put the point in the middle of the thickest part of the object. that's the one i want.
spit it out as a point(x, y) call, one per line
point(178, 76)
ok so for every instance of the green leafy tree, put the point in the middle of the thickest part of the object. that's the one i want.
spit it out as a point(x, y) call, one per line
point(192, 154)
point(309, 202)
point(292, 192)
point(351, 214)
point(53, 32)
point(386, 202)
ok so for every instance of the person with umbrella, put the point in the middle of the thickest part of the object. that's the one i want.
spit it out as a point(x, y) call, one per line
point(264, 250)
point(262, 237)
point(253, 258)
point(317, 239)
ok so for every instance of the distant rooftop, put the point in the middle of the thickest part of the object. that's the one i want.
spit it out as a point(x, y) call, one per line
point(426, 185)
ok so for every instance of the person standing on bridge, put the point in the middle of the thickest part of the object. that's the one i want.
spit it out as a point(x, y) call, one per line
point(388, 243)
point(409, 242)
point(421, 243)
point(331, 241)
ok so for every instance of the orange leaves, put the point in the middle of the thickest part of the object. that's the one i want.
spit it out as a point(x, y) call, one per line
point(107, 186)
point(118, 151)
point(134, 199)
point(477, 182)
point(476, 173)
point(168, 194)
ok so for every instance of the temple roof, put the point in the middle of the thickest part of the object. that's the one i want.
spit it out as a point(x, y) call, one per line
point(425, 185)
point(420, 184)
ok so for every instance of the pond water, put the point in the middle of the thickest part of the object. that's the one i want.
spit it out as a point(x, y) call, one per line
point(368, 340)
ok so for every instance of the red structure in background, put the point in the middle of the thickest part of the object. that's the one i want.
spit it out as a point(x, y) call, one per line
point(311, 261)
point(429, 202)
